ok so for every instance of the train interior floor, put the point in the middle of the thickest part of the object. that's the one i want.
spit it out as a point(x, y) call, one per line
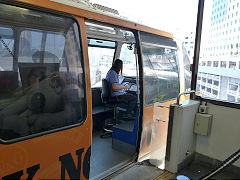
point(103, 157)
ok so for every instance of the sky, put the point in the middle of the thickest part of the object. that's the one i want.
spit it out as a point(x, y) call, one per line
point(175, 16)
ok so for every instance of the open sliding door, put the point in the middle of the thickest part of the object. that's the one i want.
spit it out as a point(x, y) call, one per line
point(161, 87)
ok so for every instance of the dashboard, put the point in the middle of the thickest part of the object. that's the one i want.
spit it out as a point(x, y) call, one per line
point(130, 82)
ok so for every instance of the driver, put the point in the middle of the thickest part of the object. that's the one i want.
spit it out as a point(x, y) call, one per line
point(119, 91)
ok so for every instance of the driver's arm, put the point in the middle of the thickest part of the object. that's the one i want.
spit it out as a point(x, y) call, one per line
point(116, 87)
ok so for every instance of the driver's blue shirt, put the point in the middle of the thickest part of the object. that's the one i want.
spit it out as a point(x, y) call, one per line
point(112, 77)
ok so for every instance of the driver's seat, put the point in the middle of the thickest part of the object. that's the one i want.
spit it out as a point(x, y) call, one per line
point(111, 103)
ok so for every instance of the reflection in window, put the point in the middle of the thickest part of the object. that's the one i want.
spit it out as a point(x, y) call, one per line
point(187, 71)
point(46, 86)
point(6, 48)
point(30, 45)
point(160, 68)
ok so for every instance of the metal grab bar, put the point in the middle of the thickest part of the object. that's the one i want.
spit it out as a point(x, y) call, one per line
point(183, 93)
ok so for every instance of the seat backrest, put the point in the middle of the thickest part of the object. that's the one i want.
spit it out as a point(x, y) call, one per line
point(105, 91)
point(96, 97)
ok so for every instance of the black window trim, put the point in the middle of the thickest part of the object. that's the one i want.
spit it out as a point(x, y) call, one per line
point(84, 117)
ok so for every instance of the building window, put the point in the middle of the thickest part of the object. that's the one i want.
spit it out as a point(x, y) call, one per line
point(209, 63)
point(215, 63)
point(223, 64)
point(232, 87)
point(238, 100)
point(209, 81)
point(216, 83)
point(231, 98)
point(215, 92)
point(209, 90)
point(232, 65)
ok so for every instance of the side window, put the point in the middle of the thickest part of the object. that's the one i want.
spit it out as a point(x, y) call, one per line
point(129, 61)
point(160, 68)
point(219, 53)
point(101, 53)
point(46, 89)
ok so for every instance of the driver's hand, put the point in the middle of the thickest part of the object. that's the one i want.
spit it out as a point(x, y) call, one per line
point(127, 87)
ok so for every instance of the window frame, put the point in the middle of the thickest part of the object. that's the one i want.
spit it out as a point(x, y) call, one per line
point(85, 108)
point(196, 63)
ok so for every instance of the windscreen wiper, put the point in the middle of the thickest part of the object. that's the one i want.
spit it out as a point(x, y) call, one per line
point(6, 46)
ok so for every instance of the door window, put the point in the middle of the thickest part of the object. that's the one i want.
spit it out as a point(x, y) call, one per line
point(160, 68)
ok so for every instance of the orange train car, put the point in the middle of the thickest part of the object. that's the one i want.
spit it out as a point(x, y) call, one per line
point(54, 121)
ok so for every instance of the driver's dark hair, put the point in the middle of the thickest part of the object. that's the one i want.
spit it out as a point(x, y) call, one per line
point(117, 66)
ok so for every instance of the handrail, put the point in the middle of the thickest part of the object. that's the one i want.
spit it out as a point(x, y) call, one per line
point(226, 163)
point(183, 93)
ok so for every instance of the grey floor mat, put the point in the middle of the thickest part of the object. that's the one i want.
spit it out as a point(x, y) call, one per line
point(103, 157)
point(139, 172)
